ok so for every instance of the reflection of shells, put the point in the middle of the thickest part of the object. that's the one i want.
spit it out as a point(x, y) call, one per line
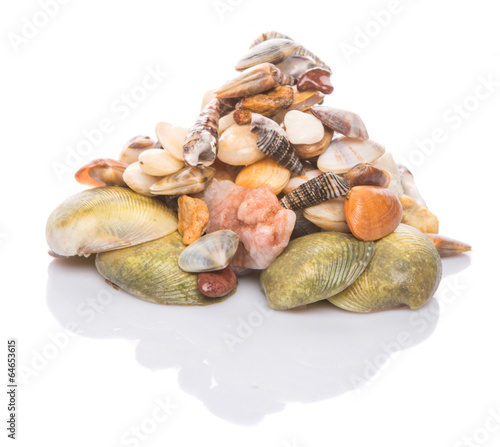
point(211, 252)
point(150, 271)
point(313, 268)
point(107, 218)
point(404, 273)
point(264, 172)
point(345, 153)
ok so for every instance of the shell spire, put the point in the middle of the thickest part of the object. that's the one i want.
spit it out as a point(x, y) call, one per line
point(317, 190)
point(274, 143)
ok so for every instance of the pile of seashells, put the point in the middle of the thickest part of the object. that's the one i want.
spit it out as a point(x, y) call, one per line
point(266, 179)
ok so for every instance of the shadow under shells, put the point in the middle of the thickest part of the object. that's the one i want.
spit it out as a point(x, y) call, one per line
point(240, 358)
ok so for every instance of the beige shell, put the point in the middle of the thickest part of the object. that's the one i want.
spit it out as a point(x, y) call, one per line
point(159, 162)
point(135, 147)
point(314, 150)
point(265, 172)
point(172, 138)
point(138, 180)
point(328, 215)
point(189, 180)
point(345, 153)
point(238, 146)
point(387, 163)
point(300, 179)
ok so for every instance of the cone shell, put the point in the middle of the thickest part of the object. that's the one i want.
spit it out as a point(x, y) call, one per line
point(189, 180)
point(211, 252)
point(149, 271)
point(372, 212)
point(404, 272)
point(106, 218)
point(264, 172)
point(345, 153)
point(314, 267)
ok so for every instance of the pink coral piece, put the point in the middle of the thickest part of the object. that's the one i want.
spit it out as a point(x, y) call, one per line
point(255, 215)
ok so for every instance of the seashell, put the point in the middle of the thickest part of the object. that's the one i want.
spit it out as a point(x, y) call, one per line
point(321, 188)
point(305, 151)
point(367, 174)
point(254, 80)
point(267, 104)
point(303, 226)
point(159, 162)
point(345, 153)
point(274, 143)
point(372, 212)
point(301, 51)
point(172, 138)
point(102, 172)
point(202, 140)
point(217, 284)
point(404, 272)
point(295, 66)
point(238, 146)
point(387, 163)
point(150, 272)
point(328, 215)
point(225, 123)
point(133, 148)
point(409, 186)
point(193, 218)
point(264, 172)
point(315, 79)
point(418, 216)
point(211, 252)
point(298, 180)
point(189, 180)
point(106, 218)
point(273, 51)
point(139, 181)
point(303, 128)
point(313, 268)
point(347, 123)
point(447, 246)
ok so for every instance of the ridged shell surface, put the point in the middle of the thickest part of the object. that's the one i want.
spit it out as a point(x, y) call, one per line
point(404, 273)
point(345, 153)
point(149, 271)
point(264, 172)
point(106, 218)
point(211, 252)
point(273, 51)
point(314, 267)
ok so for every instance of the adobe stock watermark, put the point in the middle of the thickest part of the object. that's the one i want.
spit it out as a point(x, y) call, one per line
point(139, 433)
point(482, 434)
point(31, 26)
point(59, 341)
point(364, 35)
point(121, 109)
point(453, 118)
point(246, 327)
point(222, 7)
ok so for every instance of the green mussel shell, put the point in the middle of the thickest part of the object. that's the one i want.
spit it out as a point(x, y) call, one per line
point(404, 272)
point(313, 268)
point(150, 271)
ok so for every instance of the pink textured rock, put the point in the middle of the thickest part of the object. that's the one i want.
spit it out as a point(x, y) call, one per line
point(255, 215)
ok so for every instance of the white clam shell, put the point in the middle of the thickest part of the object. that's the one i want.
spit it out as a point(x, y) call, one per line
point(328, 215)
point(238, 146)
point(172, 138)
point(303, 128)
point(159, 162)
point(138, 180)
point(387, 163)
point(211, 252)
point(344, 153)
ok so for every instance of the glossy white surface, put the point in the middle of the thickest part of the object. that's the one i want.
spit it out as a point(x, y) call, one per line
point(98, 366)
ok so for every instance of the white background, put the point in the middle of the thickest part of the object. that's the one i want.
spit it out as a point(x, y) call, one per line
point(299, 379)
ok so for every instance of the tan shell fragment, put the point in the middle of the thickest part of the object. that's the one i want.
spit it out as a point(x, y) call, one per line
point(418, 216)
point(193, 218)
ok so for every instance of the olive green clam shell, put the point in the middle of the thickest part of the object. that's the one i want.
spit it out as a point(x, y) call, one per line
point(313, 268)
point(404, 272)
point(150, 271)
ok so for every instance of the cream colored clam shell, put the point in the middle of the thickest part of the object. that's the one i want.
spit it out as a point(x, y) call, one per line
point(159, 162)
point(172, 138)
point(238, 146)
point(138, 180)
point(106, 218)
point(328, 215)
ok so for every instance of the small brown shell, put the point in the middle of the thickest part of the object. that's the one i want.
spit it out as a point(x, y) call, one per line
point(372, 212)
point(446, 246)
point(102, 172)
point(367, 174)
